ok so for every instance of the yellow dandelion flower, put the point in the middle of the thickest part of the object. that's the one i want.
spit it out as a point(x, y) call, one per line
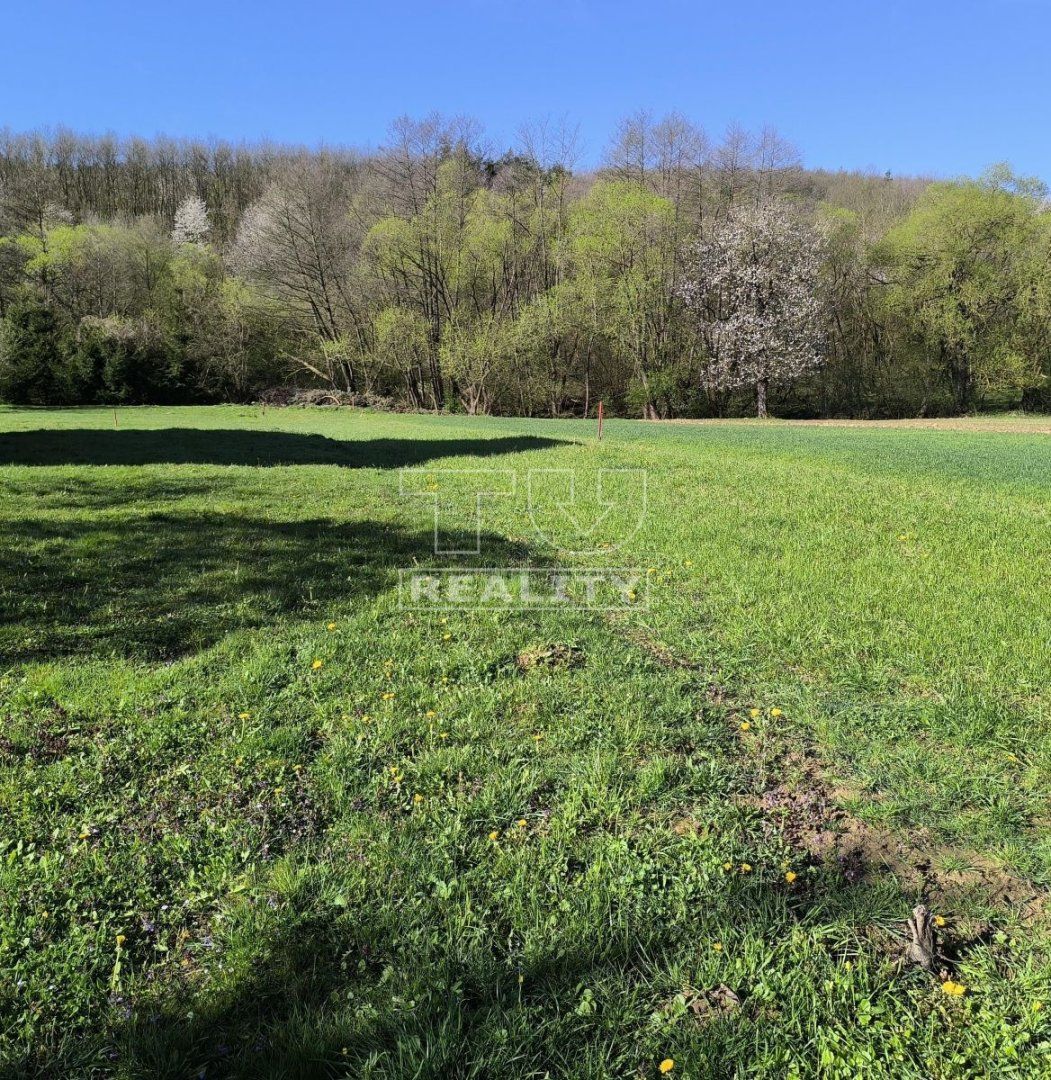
point(667, 1065)
point(1012, 757)
point(755, 713)
point(522, 823)
point(728, 866)
point(121, 939)
point(745, 725)
point(317, 665)
point(443, 734)
point(1037, 1006)
point(244, 716)
point(84, 834)
point(331, 626)
point(953, 989)
point(389, 695)
point(430, 714)
point(417, 798)
point(776, 712)
point(717, 946)
point(746, 868)
point(939, 920)
point(446, 637)
point(494, 835)
point(791, 876)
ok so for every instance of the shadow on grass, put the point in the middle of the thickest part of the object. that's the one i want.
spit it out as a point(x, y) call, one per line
point(162, 585)
point(198, 446)
point(309, 1006)
point(306, 1012)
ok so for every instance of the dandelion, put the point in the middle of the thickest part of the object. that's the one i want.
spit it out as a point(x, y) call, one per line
point(1012, 757)
point(755, 713)
point(443, 734)
point(689, 562)
point(790, 876)
point(728, 866)
point(84, 834)
point(745, 725)
point(330, 627)
point(717, 946)
point(389, 695)
point(121, 939)
point(317, 665)
point(776, 712)
point(939, 920)
point(446, 637)
point(522, 823)
point(244, 716)
point(667, 1065)
point(953, 989)
point(417, 798)
point(430, 714)
point(1037, 1006)
point(746, 868)
point(494, 835)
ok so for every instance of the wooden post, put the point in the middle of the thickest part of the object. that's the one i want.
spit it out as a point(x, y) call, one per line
point(600, 419)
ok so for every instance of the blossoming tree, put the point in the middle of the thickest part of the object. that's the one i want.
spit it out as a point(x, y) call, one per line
point(754, 291)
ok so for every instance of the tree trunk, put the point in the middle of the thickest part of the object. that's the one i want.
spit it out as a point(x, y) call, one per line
point(760, 399)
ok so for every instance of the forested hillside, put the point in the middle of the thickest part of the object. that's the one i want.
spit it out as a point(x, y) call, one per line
point(684, 277)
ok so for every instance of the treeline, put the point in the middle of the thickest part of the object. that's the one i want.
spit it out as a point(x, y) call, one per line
point(683, 277)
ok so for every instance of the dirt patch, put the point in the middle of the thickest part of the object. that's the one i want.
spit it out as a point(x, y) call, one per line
point(553, 655)
point(808, 814)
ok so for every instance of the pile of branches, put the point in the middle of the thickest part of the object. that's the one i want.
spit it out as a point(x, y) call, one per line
point(291, 396)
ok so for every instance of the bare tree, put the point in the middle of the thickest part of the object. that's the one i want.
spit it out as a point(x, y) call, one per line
point(299, 242)
point(754, 290)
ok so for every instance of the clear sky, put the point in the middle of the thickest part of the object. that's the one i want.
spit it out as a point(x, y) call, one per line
point(935, 86)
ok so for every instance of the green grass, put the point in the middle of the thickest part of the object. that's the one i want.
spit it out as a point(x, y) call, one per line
point(213, 860)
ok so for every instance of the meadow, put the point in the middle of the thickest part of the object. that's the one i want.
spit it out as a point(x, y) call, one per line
point(258, 817)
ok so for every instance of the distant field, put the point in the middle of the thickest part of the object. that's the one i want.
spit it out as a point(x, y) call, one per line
point(258, 818)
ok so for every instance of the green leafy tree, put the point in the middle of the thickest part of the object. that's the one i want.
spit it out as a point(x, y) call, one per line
point(625, 243)
point(968, 281)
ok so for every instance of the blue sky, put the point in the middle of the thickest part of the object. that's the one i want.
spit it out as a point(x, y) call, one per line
point(940, 87)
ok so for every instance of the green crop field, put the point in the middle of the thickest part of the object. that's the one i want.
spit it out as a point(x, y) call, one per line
point(261, 815)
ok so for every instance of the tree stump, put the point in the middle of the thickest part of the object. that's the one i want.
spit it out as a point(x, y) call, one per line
point(921, 949)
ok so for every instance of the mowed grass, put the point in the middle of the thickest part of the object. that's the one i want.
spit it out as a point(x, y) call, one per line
point(258, 819)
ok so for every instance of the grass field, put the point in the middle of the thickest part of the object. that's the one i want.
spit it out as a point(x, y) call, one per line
point(258, 818)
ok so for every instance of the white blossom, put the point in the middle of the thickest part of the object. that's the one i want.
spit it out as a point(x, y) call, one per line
point(754, 291)
point(191, 222)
